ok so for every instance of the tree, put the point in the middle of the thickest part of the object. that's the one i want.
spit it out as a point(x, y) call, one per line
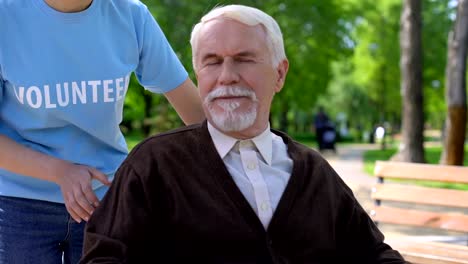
point(374, 29)
point(455, 94)
point(438, 17)
point(360, 35)
point(375, 60)
point(411, 148)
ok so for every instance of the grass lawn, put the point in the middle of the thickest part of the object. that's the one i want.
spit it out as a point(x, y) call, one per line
point(432, 155)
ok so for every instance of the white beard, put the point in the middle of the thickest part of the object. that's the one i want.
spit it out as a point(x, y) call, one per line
point(229, 119)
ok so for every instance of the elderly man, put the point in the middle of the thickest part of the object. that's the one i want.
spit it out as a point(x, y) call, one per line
point(232, 190)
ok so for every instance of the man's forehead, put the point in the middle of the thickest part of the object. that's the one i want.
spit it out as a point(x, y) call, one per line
point(221, 24)
point(225, 37)
point(241, 49)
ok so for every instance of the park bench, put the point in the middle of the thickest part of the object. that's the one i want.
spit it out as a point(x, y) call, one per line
point(400, 201)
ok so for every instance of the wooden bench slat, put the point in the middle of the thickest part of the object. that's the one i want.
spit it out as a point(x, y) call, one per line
point(415, 258)
point(446, 221)
point(429, 252)
point(417, 171)
point(410, 212)
point(420, 195)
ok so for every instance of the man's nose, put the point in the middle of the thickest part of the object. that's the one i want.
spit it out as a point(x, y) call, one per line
point(229, 73)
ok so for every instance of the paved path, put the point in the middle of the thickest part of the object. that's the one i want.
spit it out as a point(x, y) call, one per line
point(349, 164)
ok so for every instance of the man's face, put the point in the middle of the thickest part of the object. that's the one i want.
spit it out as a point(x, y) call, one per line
point(236, 78)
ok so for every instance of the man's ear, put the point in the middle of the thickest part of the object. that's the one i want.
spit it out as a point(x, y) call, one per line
point(281, 71)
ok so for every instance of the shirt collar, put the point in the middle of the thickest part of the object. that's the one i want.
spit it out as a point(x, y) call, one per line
point(224, 143)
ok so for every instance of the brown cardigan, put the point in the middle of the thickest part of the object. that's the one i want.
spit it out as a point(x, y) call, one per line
point(173, 201)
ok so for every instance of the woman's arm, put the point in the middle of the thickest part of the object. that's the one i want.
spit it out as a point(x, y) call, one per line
point(74, 180)
point(186, 101)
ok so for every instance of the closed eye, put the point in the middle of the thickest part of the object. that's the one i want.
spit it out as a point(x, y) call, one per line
point(211, 59)
point(213, 62)
point(245, 60)
point(246, 56)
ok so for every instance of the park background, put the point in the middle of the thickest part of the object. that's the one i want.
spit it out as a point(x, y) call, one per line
point(365, 61)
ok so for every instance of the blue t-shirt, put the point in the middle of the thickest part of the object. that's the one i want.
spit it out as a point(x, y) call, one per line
point(63, 80)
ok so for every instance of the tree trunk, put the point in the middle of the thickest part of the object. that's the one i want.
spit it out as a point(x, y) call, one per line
point(411, 148)
point(455, 94)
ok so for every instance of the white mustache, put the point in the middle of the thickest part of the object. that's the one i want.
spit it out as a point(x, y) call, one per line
point(223, 91)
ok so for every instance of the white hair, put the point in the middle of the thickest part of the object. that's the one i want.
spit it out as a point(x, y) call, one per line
point(249, 16)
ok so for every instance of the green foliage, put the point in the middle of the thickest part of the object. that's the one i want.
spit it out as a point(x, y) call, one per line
point(343, 54)
point(134, 110)
point(133, 140)
point(308, 139)
point(315, 34)
point(367, 85)
point(437, 21)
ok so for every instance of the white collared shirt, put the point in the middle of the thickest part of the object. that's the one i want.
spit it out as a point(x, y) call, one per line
point(260, 167)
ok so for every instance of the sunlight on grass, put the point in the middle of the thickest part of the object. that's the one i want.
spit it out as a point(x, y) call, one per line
point(371, 156)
